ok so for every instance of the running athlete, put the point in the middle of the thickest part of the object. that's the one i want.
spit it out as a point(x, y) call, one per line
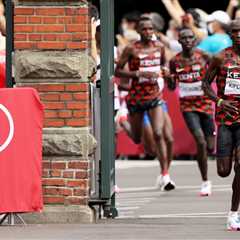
point(145, 59)
point(188, 69)
point(225, 67)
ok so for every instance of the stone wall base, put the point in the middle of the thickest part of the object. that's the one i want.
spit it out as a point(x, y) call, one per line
point(61, 215)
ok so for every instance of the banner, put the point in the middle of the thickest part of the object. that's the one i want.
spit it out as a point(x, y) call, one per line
point(21, 118)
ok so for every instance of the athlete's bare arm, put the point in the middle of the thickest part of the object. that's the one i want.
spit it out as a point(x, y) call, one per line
point(125, 58)
point(171, 76)
point(212, 72)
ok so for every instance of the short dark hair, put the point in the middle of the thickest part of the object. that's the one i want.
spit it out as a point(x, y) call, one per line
point(93, 12)
point(132, 16)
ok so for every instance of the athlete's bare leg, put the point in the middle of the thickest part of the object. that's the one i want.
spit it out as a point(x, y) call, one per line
point(133, 126)
point(168, 136)
point(157, 121)
point(201, 153)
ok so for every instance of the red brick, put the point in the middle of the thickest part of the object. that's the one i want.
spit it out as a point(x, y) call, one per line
point(24, 45)
point(53, 182)
point(81, 175)
point(76, 87)
point(20, 19)
point(77, 183)
point(65, 20)
point(50, 28)
point(78, 165)
point(68, 174)
point(51, 45)
point(35, 37)
point(81, 96)
point(20, 37)
point(76, 201)
point(59, 165)
point(80, 192)
point(50, 114)
point(55, 173)
point(77, 28)
point(49, 37)
point(80, 114)
point(65, 114)
point(53, 105)
point(58, 191)
point(50, 88)
point(35, 20)
point(76, 105)
point(45, 173)
point(76, 11)
point(77, 122)
point(49, 97)
point(23, 11)
point(50, 11)
point(50, 20)
point(23, 28)
point(66, 97)
point(80, 36)
point(84, 19)
point(54, 122)
point(53, 200)
point(77, 45)
point(46, 165)
point(64, 37)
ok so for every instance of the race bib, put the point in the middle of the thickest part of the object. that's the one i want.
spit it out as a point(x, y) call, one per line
point(190, 89)
point(232, 86)
point(155, 69)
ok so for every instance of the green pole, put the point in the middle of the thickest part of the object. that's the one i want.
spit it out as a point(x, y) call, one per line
point(9, 42)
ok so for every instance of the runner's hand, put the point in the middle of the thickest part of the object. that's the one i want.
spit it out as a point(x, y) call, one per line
point(150, 75)
point(230, 106)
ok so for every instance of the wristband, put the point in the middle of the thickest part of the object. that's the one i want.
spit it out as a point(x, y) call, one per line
point(219, 102)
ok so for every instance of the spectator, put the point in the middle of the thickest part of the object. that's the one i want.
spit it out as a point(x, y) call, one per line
point(189, 18)
point(218, 25)
point(2, 19)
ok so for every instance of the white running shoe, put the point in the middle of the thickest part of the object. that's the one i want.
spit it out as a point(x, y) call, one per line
point(206, 189)
point(165, 183)
point(233, 222)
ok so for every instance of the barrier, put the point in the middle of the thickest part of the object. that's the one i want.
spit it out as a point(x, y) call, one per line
point(21, 117)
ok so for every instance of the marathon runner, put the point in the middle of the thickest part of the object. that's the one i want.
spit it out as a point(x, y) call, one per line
point(225, 67)
point(145, 59)
point(187, 69)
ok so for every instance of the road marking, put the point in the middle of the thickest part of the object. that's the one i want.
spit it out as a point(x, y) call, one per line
point(120, 164)
point(187, 215)
point(186, 187)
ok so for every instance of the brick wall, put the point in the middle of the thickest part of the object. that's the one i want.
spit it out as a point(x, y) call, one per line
point(51, 28)
point(62, 29)
point(66, 105)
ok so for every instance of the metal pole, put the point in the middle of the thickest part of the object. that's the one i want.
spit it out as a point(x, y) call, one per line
point(9, 42)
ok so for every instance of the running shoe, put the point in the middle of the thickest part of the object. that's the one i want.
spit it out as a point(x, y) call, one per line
point(206, 189)
point(233, 222)
point(165, 183)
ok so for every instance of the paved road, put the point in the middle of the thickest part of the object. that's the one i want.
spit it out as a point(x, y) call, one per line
point(145, 213)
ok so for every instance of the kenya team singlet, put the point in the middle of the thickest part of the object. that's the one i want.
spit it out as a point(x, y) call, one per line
point(228, 83)
point(189, 74)
point(142, 89)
